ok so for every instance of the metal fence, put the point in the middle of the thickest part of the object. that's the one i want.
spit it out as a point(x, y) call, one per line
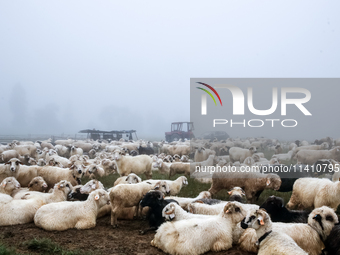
point(40, 137)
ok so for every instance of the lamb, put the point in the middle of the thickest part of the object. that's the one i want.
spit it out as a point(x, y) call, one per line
point(314, 193)
point(94, 171)
point(131, 178)
point(138, 164)
point(184, 201)
point(155, 201)
point(271, 241)
point(175, 186)
point(251, 183)
point(66, 215)
point(320, 223)
point(202, 154)
point(239, 154)
point(278, 213)
point(185, 237)
point(129, 195)
point(311, 156)
point(59, 193)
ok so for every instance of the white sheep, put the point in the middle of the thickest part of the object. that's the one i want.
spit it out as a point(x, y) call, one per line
point(59, 193)
point(65, 215)
point(314, 193)
point(239, 154)
point(11, 168)
point(199, 235)
point(76, 151)
point(94, 171)
point(138, 164)
point(36, 184)
point(129, 195)
point(175, 186)
point(273, 242)
point(9, 185)
point(320, 223)
point(163, 167)
point(202, 154)
point(174, 212)
point(130, 179)
point(184, 201)
point(200, 208)
point(311, 156)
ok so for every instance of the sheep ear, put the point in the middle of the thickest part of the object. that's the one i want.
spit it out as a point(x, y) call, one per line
point(261, 222)
point(229, 192)
point(268, 182)
point(8, 163)
point(96, 197)
point(126, 179)
point(4, 184)
point(156, 187)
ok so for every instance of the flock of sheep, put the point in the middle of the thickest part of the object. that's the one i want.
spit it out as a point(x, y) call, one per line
point(41, 183)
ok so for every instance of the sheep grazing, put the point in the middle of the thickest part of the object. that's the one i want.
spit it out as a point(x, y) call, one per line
point(9, 185)
point(131, 178)
point(155, 201)
point(237, 194)
point(129, 195)
point(175, 186)
point(139, 164)
point(199, 235)
point(332, 243)
point(65, 215)
point(251, 183)
point(184, 201)
point(271, 241)
point(312, 193)
point(239, 154)
point(278, 213)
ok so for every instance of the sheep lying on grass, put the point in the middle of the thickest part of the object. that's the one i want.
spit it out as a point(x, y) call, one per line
point(175, 186)
point(66, 215)
point(197, 235)
point(271, 241)
point(309, 236)
point(184, 201)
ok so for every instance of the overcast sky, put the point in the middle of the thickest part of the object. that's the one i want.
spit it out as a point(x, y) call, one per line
point(71, 65)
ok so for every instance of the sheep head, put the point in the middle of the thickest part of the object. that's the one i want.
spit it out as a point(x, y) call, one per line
point(234, 210)
point(162, 186)
point(169, 211)
point(37, 184)
point(323, 220)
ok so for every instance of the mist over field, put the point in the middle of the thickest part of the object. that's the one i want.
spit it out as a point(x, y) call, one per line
point(111, 65)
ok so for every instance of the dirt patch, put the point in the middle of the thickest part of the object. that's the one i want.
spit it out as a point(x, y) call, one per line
point(103, 238)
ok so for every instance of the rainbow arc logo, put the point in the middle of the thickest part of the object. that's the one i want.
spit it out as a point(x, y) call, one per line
point(212, 89)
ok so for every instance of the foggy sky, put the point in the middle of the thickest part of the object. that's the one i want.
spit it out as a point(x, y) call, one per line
point(72, 65)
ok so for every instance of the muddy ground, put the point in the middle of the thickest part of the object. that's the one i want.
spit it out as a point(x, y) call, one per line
point(103, 239)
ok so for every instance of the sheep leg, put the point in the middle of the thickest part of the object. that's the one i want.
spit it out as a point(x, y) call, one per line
point(221, 245)
point(292, 202)
point(114, 217)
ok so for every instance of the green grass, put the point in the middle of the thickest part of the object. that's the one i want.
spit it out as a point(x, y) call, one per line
point(7, 251)
point(46, 246)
